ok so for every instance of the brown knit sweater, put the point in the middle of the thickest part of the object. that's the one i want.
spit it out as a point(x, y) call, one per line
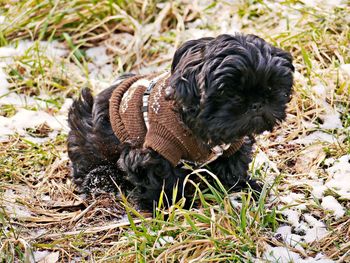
point(166, 134)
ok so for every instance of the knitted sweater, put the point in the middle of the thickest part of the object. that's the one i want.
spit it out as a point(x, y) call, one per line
point(166, 133)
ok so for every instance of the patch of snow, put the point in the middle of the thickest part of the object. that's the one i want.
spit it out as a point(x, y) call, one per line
point(98, 55)
point(331, 121)
point(330, 116)
point(7, 52)
point(156, 68)
point(284, 255)
point(17, 99)
point(291, 239)
point(52, 49)
point(35, 233)
point(50, 257)
point(318, 188)
point(13, 209)
point(262, 160)
point(66, 106)
point(124, 219)
point(330, 203)
point(104, 72)
point(196, 33)
point(24, 119)
point(316, 229)
point(284, 230)
point(329, 161)
point(281, 255)
point(345, 68)
point(163, 241)
point(236, 201)
point(320, 91)
point(295, 200)
point(340, 172)
point(317, 136)
point(40, 255)
point(3, 83)
point(330, 4)
point(292, 216)
point(300, 78)
point(307, 229)
point(319, 258)
point(99, 84)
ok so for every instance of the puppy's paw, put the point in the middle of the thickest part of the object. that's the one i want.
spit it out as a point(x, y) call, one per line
point(132, 161)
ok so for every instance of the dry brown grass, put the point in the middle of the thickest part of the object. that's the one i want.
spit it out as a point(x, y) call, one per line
point(40, 210)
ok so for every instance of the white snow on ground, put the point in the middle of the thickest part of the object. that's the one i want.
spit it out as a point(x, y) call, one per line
point(3, 83)
point(295, 200)
point(322, 3)
point(329, 116)
point(65, 107)
point(52, 49)
point(292, 216)
point(236, 200)
point(340, 181)
point(330, 120)
point(318, 188)
point(330, 203)
point(100, 67)
point(25, 119)
point(302, 227)
point(45, 256)
point(345, 68)
point(314, 228)
point(285, 255)
point(293, 240)
point(99, 55)
point(317, 136)
point(261, 160)
point(306, 228)
point(13, 208)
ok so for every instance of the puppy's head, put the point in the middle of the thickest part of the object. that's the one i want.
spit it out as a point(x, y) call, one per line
point(231, 86)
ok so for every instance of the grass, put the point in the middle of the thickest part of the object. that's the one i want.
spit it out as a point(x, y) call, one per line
point(40, 210)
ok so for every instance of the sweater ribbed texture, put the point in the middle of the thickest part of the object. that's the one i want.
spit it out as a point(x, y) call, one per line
point(166, 135)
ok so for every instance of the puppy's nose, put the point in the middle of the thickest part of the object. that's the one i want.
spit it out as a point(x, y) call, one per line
point(256, 106)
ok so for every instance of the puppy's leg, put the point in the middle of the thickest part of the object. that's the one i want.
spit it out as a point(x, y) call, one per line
point(151, 173)
point(233, 170)
point(92, 145)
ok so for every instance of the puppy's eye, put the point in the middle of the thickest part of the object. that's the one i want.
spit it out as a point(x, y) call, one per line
point(288, 96)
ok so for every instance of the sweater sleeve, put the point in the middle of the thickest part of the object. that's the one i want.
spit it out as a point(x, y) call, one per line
point(233, 148)
point(164, 142)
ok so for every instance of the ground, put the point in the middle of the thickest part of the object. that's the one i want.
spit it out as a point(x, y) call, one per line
point(49, 50)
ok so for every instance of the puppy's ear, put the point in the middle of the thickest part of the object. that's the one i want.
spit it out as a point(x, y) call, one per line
point(275, 52)
point(191, 46)
point(187, 63)
point(285, 55)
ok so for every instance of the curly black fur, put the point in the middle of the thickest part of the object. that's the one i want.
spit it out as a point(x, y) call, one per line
point(225, 88)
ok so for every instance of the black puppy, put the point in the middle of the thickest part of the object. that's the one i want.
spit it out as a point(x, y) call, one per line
point(221, 90)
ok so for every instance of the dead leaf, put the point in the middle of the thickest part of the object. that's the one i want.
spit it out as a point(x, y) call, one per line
point(310, 158)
